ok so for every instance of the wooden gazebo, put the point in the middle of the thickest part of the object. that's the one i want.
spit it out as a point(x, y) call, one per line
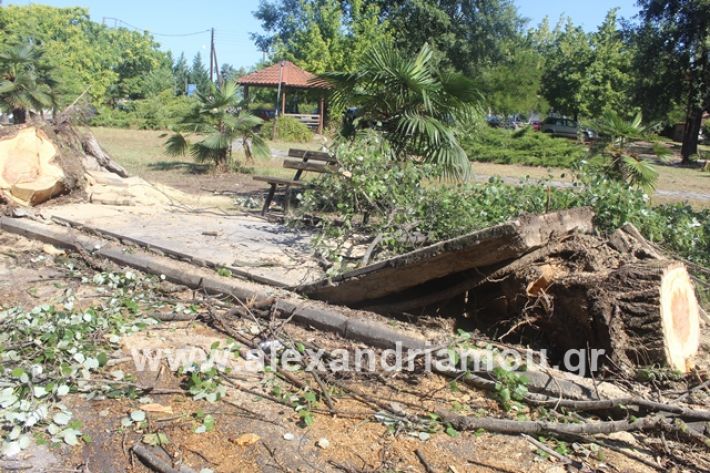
point(285, 76)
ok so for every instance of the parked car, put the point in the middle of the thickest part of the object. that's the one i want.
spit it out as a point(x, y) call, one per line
point(514, 122)
point(493, 121)
point(565, 127)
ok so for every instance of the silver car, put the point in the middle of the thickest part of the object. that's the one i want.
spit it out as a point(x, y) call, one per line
point(565, 127)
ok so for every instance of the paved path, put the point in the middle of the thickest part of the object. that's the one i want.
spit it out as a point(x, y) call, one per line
point(248, 244)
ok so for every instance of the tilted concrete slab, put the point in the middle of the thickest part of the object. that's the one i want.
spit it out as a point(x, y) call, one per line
point(479, 249)
point(251, 247)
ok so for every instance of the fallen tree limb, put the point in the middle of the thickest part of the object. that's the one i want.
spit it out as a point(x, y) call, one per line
point(174, 317)
point(508, 426)
point(151, 458)
point(545, 388)
point(422, 459)
point(608, 404)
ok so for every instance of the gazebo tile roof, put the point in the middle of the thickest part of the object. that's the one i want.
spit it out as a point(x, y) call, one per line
point(293, 76)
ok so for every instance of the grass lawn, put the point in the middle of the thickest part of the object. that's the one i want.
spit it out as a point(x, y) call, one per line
point(141, 152)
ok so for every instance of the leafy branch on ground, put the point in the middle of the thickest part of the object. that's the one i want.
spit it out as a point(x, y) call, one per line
point(385, 206)
point(53, 350)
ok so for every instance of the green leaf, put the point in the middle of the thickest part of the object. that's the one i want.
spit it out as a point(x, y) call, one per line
point(451, 431)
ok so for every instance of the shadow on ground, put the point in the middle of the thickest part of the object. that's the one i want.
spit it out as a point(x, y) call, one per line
point(192, 168)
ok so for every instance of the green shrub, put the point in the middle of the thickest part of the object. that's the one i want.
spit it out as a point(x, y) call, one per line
point(109, 117)
point(524, 146)
point(287, 129)
point(156, 113)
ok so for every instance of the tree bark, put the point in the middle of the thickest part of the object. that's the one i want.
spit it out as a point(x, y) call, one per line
point(19, 116)
point(690, 133)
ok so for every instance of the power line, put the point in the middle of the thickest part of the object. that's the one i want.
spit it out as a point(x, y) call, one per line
point(173, 35)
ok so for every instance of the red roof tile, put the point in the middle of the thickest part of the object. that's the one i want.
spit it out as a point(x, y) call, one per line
point(293, 76)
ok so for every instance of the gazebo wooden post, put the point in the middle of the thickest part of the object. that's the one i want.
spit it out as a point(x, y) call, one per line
point(321, 110)
point(283, 101)
point(246, 95)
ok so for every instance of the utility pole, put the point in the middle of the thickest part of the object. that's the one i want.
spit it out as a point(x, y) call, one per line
point(218, 72)
point(212, 64)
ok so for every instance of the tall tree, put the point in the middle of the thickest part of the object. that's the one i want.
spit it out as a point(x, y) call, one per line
point(513, 85)
point(229, 73)
point(199, 75)
point(468, 34)
point(320, 35)
point(109, 63)
point(181, 73)
point(682, 49)
point(565, 70)
point(608, 79)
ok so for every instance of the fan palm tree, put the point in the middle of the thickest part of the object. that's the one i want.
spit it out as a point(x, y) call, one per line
point(414, 103)
point(616, 134)
point(26, 81)
point(215, 121)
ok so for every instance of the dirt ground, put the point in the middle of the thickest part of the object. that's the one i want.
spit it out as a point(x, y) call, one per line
point(256, 428)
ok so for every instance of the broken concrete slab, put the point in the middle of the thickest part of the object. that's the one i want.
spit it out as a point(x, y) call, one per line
point(248, 246)
point(480, 249)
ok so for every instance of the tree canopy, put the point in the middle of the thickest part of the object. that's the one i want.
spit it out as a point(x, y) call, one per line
point(674, 49)
point(320, 35)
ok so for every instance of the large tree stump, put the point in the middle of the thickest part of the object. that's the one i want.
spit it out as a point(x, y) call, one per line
point(650, 315)
point(39, 161)
point(638, 306)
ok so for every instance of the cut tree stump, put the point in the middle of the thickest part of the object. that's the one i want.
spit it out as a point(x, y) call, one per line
point(29, 171)
point(650, 314)
point(639, 307)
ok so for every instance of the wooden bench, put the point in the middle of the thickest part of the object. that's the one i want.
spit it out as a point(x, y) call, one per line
point(305, 160)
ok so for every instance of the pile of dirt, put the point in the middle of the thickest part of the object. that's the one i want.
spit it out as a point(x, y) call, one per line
point(41, 161)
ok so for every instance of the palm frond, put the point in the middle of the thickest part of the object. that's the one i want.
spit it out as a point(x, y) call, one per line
point(216, 141)
point(176, 145)
point(410, 101)
point(259, 147)
point(639, 173)
point(202, 153)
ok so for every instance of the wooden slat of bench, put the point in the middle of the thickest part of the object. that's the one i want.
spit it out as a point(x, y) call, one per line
point(310, 155)
point(278, 180)
point(308, 166)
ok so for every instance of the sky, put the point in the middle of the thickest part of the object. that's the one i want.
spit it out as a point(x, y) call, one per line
point(233, 21)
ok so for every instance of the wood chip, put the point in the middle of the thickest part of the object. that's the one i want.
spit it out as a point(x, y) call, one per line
point(245, 440)
point(157, 408)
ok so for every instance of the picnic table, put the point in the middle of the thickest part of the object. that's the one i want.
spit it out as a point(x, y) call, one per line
point(302, 161)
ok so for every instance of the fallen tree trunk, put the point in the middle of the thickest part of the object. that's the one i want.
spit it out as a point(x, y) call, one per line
point(638, 306)
point(650, 315)
point(369, 286)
